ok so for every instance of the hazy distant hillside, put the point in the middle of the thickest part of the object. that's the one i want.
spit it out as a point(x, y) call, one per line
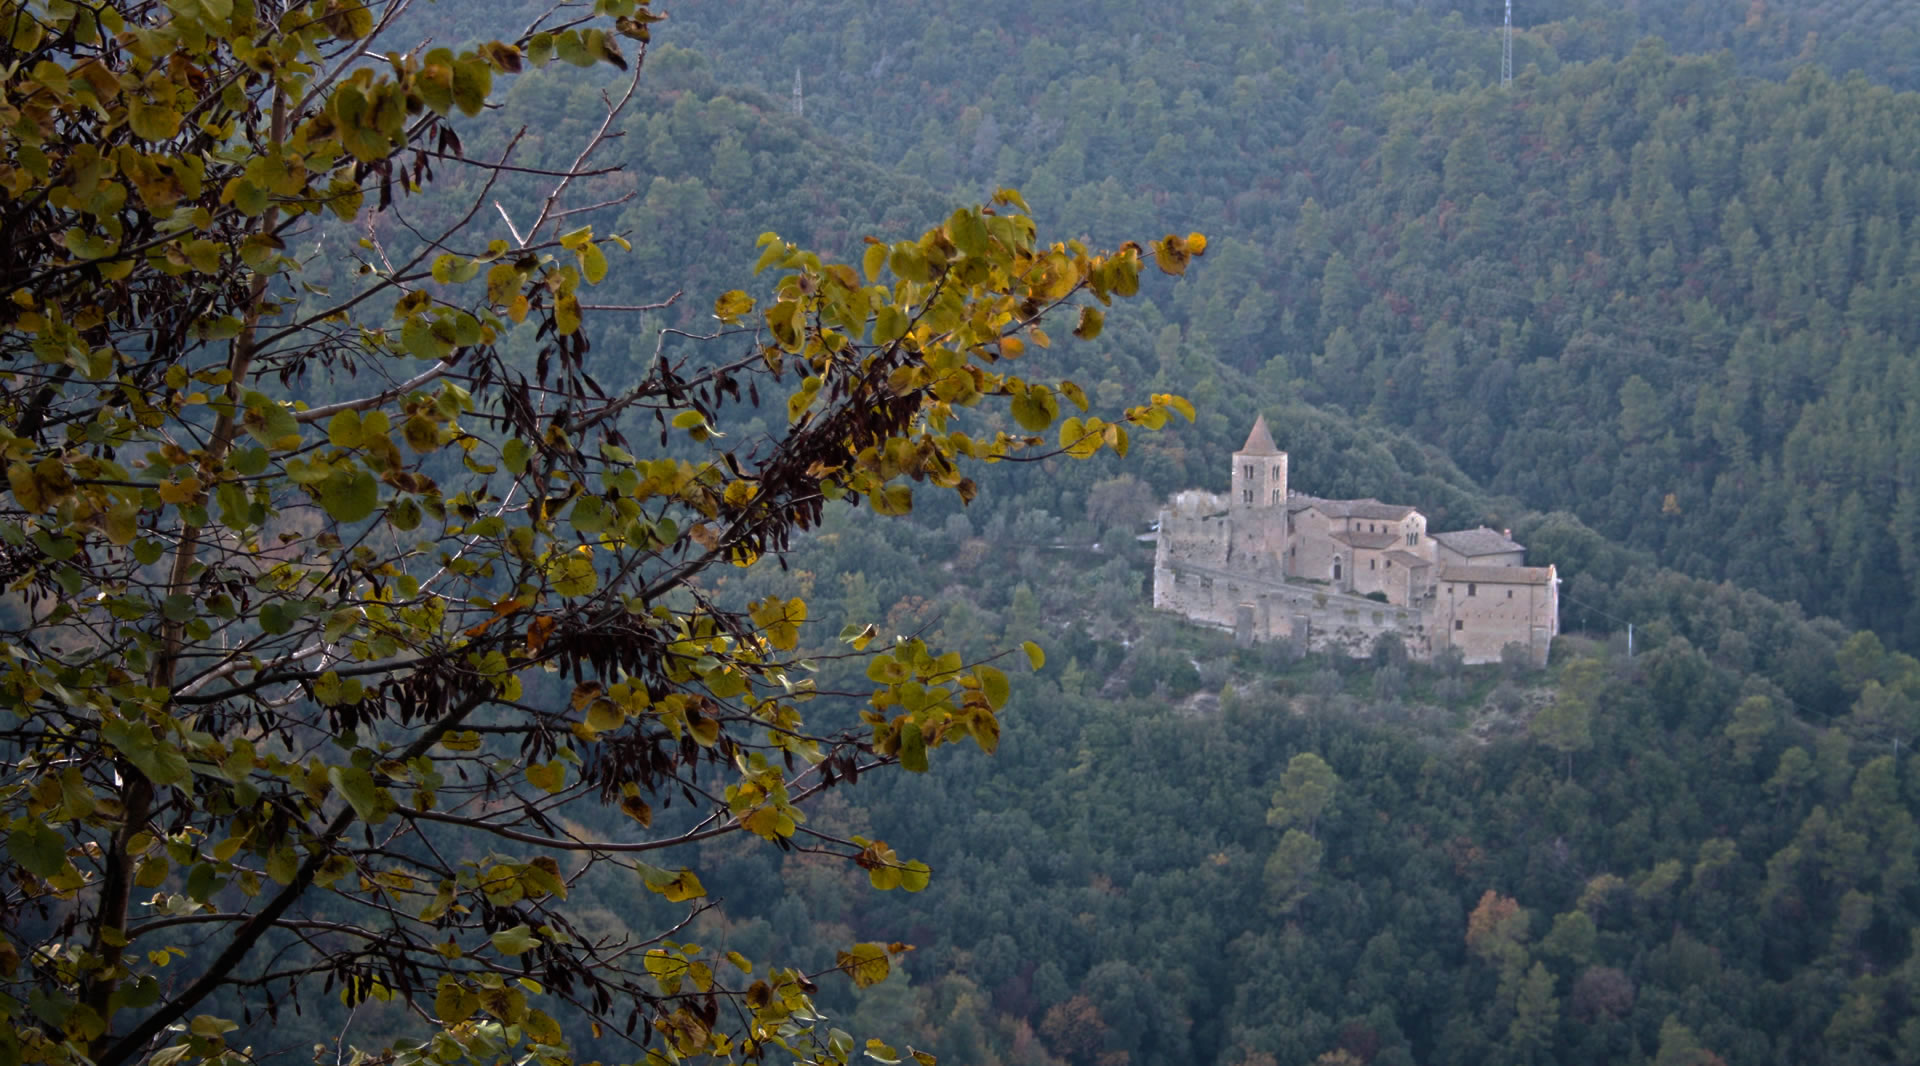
point(1646, 288)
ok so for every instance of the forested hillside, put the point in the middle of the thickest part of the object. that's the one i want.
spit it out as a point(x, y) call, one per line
point(1186, 852)
point(1653, 289)
point(1655, 307)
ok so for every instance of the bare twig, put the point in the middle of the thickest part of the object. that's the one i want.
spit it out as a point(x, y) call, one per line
point(315, 414)
point(593, 144)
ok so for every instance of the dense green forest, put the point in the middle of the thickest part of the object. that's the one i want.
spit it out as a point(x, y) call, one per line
point(1708, 846)
point(1660, 291)
point(1653, 306)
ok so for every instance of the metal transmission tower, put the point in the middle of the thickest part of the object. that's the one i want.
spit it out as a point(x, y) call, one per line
point(1506, 50)
point(799, 99)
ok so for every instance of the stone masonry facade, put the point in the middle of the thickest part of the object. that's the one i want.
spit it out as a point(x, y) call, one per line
point(1336, 575)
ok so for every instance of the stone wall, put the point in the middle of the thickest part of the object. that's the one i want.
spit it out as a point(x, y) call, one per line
point(1372, 574)
point(1314, 550)
point(1482, 624)
point(1318, 617)
point(1192, 540)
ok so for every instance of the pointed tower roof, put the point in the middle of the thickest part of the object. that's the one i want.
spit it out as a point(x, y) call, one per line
point(1259, 442)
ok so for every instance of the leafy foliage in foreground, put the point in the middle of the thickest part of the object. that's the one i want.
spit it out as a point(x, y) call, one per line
point(332, 607)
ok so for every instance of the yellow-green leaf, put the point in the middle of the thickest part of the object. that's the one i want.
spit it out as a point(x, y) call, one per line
point(867, 964)
point(549, 777)
point(731, 305)
point(1035, 409)
point(993, 684)
point(593, 263)
point(1035, 657)
point(1171, 254)
point(515, 941)
point(356, 786)
point(676, 888)
point(343, 430)
point(572, 574)
point(153, 122)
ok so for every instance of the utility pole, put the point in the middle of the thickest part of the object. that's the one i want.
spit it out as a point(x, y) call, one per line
point(800, 101)
point(1506, 50)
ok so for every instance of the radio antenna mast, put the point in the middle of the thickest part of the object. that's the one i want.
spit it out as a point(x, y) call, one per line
point(1506, 50)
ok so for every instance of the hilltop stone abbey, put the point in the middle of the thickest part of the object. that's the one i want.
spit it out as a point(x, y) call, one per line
point(1334, 575)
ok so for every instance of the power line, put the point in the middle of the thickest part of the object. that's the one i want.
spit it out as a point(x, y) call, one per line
point(1506, 50)
point(1779, 692)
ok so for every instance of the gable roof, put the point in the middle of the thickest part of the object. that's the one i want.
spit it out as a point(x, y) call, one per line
point(1498, 575)
point(1367, 508)
point(1408, 559)
point(1375, 541)
point(1259, 442)
point(1481, 541)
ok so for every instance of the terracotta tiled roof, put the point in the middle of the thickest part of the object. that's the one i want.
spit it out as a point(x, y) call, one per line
point(1375, 541)
point(1482, 541)
point(1367, 508)
point(1259, 442)
point(1498, 575)
point(1408, 559)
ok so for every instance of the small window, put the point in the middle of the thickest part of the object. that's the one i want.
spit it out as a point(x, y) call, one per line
point(1389, 564)
point(1247, 471)
point(1410, 537)
point(1372, 564)
point(1276, 499)
point(1336, 569)
point(1276, 471)
point(1470, 588)
point(1509, 594)
point(1458, 625)
point(1246, 495)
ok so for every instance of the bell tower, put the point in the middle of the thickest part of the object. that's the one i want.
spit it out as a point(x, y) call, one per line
point(1259, 471)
